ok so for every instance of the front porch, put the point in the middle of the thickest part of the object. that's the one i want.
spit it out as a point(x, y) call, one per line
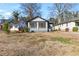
point(38, 26)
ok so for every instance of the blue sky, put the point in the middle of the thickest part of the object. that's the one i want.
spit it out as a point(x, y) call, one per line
point(7, 8)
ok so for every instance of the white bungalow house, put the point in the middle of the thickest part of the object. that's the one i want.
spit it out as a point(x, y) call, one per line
point(38, 24)
point(68, 24)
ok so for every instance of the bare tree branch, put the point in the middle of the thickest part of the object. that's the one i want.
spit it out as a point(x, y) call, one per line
point(31, 9)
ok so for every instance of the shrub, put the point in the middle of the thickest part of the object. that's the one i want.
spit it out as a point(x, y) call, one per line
point(75, 29)
point(26, 29)
point(6, 27)
point(21, 29)
point(66, 29)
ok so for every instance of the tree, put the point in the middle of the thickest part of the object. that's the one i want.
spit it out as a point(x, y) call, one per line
point(68, 16)
point(54, 21)
point(75, 14)
point(6, 27)
point(15, 15)
point(61, 11)
point(31, 9)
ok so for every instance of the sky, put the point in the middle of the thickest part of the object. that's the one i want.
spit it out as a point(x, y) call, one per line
point(7, 8)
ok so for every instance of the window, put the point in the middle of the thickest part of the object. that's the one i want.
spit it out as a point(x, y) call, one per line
point(77, 23)
point(33, 24)
point(42, 24)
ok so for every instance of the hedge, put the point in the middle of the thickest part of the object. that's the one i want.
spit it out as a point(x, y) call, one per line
point(75, 29)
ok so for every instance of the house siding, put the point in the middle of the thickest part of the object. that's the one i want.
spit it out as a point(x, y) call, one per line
point(37, 28)
point(69, 25)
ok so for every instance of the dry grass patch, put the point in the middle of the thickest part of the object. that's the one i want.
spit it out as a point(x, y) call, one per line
point(23, 44)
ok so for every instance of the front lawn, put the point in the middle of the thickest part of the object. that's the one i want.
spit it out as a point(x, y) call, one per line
point(50, 43)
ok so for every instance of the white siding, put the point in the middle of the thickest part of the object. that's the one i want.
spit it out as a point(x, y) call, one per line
point(13, 29)
point(69, 25)
point(42, 30)
point(57, 27)
point(38, 19)
point(39, 30)
point(33, 29)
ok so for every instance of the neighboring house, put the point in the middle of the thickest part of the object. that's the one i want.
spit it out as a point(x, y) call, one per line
point(67, 24)
point(16, 27)
point(38, 24)
point(1, 23)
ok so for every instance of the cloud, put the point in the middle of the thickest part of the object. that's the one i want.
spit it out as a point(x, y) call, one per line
point(7, 13)
point(1, 10)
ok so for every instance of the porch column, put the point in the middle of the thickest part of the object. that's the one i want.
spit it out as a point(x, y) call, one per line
point(28, 24)
point(46, 26)
point(37, 26)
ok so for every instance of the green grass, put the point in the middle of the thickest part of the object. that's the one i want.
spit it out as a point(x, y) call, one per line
point(63, 40)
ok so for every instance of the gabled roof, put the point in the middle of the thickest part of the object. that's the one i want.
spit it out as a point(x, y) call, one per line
point(37, 17)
